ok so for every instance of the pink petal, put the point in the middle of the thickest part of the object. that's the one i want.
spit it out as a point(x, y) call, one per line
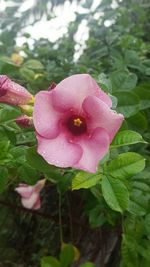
point(24, 191)
point(100, 115)
point(45, 118)
point(59, 151)
point(94, 149)
point(37, 205)
point(70, 93)
point(23, 184)
point(30, 202)
point(102, 95)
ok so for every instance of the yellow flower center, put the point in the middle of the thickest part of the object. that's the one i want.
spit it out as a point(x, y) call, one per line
point(76, 125)
point(77, 122)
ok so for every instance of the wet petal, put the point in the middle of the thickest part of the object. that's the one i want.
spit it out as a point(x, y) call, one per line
point(100, 115)
point(94, 149)
point(71, 92)
point(45, 117)
point(59, 151)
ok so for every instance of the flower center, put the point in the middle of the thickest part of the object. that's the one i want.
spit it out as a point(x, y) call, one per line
point(77, 122)
point(76, 125)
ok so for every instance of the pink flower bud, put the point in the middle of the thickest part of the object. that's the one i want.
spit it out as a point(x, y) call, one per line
point(24, 121)
point(30, 195)
point(13, 93)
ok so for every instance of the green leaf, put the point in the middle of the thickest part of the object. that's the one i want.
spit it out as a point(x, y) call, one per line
point(49, 261)
point(136, 208)
point(138, 121)
point(139, 202)
point(3, 178)
point(114, 101)
point(28, 174)
point(19, 154)
point(85, 180)
point(147, 223)
point(67, 256)
point(4, 146)
point(141, 186)
point(132, 59)
point(147, 71)
point(27, 74)
point(127, 137)
point(37, 162)
point(87, 264)
point(10, 133)
point(126, 165)
point(33, 64)
point(8, 113)
point(115, 194)
point(3, 135)
point(25, 137)
point(7, 60)
point(96, 217)
point(5, 156)
point(123, 81)
point(128, 103)
point(104, 82)
point(144, 175)
point(144, 94)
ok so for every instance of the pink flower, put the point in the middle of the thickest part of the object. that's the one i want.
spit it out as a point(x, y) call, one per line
point(30, 195)
point(13, 93)
point(74, 123)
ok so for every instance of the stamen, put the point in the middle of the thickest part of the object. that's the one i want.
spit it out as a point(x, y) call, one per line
point(76, 125)
point(77, 122)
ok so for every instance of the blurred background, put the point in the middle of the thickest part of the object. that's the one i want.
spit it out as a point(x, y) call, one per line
point(43, 42)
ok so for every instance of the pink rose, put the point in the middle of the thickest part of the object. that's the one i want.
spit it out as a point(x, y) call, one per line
point(74, 123)
point(30, 195)
point(13, 93)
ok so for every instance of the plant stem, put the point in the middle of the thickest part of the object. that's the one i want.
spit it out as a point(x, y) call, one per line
point(60, 220)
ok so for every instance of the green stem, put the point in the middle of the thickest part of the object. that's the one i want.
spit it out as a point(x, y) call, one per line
point(60, 220)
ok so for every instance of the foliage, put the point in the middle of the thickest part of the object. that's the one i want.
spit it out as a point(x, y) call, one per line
point(118, 194)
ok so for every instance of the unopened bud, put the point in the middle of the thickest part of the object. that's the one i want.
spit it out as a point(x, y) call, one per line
point(13, 93)
point(24, 121)
point(26, 109)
